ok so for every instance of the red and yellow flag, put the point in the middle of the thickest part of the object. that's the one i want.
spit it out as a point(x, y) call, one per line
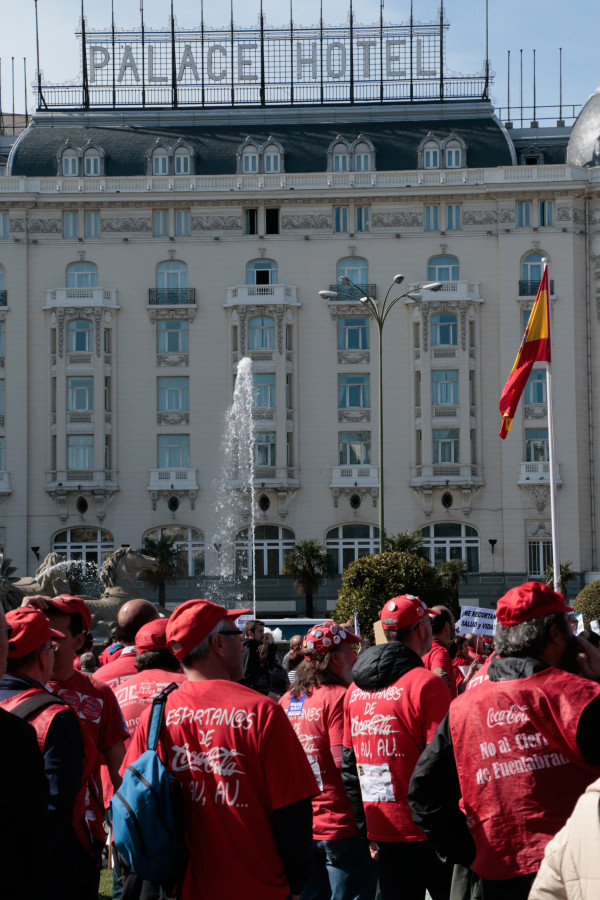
point(535, 347)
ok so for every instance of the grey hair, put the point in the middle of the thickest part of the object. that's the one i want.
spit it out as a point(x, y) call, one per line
point(200, 651)
point(528, 638)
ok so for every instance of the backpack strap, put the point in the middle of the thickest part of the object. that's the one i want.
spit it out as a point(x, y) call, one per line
point(28, 708)
point(157, 715)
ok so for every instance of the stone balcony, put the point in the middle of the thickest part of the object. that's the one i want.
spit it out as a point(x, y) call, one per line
point(173, 480)
point(266, 477)
point(450, 290)
point(253, 294)
point(354, 476)
point(441, 474)
point(536, 473)
point(78, 296)
point(81, 479)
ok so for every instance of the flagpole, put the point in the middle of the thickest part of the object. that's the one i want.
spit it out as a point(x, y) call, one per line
point(553, 512)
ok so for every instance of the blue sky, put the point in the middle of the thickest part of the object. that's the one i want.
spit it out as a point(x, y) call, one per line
point(514, 25)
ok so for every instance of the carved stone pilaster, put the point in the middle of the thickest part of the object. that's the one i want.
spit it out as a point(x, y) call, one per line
point(280, 329)
point(425, 318)
point(463, 326)
point(60, 332)
point(426, 495)
point(242, 335)
point(98, 330)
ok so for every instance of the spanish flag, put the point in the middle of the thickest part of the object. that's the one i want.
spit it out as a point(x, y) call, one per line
point(535, 347)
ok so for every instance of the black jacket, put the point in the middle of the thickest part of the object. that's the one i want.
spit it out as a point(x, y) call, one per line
point(375, 668)
point(434, 791)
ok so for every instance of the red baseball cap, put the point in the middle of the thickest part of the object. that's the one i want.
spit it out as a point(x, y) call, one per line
point(152, 636)
point(323, 638)
point(404, 611)
point(528, 601)
point(68, 605)
point(30, 631)
point(193, 621)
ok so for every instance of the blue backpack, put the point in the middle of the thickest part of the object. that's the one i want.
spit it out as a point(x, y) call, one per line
point(147, 811)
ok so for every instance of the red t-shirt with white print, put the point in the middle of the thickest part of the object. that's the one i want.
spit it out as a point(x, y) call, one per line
point(318, 720)
point(237, 759)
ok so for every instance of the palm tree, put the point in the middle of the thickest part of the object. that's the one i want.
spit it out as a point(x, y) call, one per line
point(309, 565)
point(567, 573)
point(404, 542)
point(453, 571)
point(169, 559)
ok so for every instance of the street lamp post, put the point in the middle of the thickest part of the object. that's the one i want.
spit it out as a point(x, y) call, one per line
point(380, 315)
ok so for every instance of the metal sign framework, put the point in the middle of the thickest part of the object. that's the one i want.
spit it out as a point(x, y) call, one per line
point(263, 67)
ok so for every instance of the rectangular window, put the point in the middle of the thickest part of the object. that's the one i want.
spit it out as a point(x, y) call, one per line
point(340, 162)
point(453, 158)
point(182, 164)
point(416, 335)
point(289, 394)
point(264, 449)
point(107, 395)
point(182, 222)
point(472, 388)
point(173, 395)
point(263, 390)
point(453, 217)
point(2, 402)
point(107, 451)
point(432, 217)
point(289, 446)
point(444, 387)
point(80, 451)
point(535, 389)
point(546, 214)
point(471, 334)
point(473, 447)
point(70, 229)
point(289, 337)
point(250, 162)
point(340, 219)
point(107, 340)
point(362, 162)
point(2, 334)
point(160, 164)
point(80, 394)
point(539, 557)
point(362, 219)
point(418, 448)
point(417, 388)
point(445, 445)
point(161, 223)
point(353, 392)
point(432, 159)
point(173, 451)
point(4, 225)
point(536, 445)
point(2, 456)
point(250, 221)
point(172, 336)
point(271, 221)
point(91, 164)
point(523, 213)
point(354, 448)
point(92, 224)
point(353, 333)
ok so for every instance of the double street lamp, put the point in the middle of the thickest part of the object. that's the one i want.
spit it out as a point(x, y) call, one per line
point(380, 315)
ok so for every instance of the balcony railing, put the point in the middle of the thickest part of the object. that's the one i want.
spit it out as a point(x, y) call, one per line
point(347, 292)
point(171, 296)
point(354, 476)
point(440, 473)
point(270, 477)
point(81, 296)
point(74, 479)
point(78, 417)
point(173, 479)
point(532, 472)
point(3, 298)
point(530, 288)
point(261, 293)
point(450, 290)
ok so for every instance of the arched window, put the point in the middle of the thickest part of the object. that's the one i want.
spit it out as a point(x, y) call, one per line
point(261, 271)
point(91, 162)
point(271, 543)
point(357, 270)
point(92, 545)
point(261, 333)
point(189, 544)
point(160, 161)
point(79, 336)
point(250, 160)
point(442, 268)
point(271, 159)
point(431, 155)
point(172, 275)
point(444, 330)
point(340, 158)
point(182, 161)
point(347, 543)
point(531, 275)
point(82, 275)
point(70, 162)
point(453, 154)
point(362, 157)
point(450, 541)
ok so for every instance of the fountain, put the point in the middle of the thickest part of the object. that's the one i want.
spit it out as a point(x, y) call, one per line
point(233, 501)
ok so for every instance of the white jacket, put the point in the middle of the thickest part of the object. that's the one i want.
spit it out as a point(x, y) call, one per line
point(570, 869)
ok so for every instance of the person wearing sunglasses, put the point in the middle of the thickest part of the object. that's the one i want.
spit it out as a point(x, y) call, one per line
point(23, 692)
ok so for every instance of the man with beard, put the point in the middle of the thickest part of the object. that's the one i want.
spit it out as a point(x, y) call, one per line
point(516, 752)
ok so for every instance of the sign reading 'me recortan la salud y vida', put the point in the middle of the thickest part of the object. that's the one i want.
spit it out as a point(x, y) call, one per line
point(317, 64)
point(476, 620)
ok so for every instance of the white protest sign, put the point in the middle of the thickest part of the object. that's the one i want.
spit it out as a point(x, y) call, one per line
point(580, 625)
point(595, 626)
point(475, 620)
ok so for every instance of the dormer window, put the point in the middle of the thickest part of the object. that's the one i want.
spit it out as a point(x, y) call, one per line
point(431, 155)
point(160, 162)
point(70, 162)
point(271, 159)
point(453, 157)
point(91, 162)
point(362, 157)
point(250, 160)
point(454, 152)
point(341, 158)
point(182, 161)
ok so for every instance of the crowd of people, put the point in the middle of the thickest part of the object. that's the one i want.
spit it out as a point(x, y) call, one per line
point(418, 760)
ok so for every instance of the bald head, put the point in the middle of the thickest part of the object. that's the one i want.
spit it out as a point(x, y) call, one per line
point(132, 615)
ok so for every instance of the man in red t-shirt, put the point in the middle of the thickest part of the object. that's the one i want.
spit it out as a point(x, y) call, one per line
point(341, 865)
point(391, 712)
point(103, 732)
point(438, 659)
point(509, 761)
point(246, 781)
point(132, 616)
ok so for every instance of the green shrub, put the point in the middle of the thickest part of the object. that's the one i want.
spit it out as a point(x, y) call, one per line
point(588, 603)
point(370, 581)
